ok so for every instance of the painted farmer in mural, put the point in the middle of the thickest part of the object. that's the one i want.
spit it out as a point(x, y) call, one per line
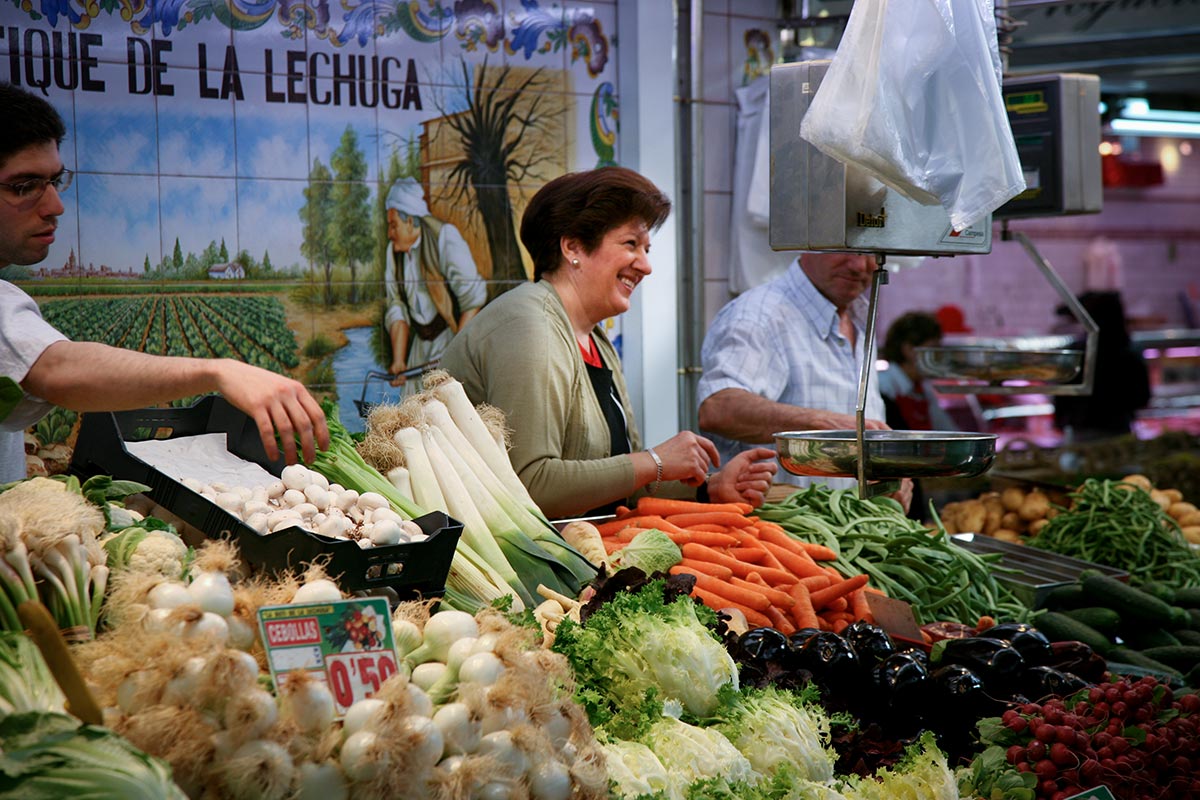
point(433, 285)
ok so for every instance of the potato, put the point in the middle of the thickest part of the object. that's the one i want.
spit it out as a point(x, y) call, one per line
point(1006, 535)
point(1178, 511)
point(1192, 534)
point(1035, 506)
point(1036, 526)
point(1140, 481)
point(1052, 513)
point(992, 502)
point(1012, 497)
point(1012, 521)
point(950, 523)
point(1161, 498)
point(991, 521)
point(1174, 495)
point(1187, 520)
point(973, 517)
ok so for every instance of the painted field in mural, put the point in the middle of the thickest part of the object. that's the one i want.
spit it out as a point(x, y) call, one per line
point(361, 163)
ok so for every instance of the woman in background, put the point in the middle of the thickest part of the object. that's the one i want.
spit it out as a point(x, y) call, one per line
point(538, 352)
point(910, 402)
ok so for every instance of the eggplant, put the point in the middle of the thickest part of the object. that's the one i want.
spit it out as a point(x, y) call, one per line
point(902, 682)
point(1040, 682)
point(1032, 644)
point(957, 693)
point(760, 645)
point(1079, 659)
point(995, 661)
point(830, 658)
point(871, 644)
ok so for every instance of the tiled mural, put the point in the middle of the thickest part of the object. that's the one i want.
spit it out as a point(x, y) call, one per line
point(249, 172)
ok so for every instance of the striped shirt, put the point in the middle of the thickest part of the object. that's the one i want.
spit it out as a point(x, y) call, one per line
point(781, 341)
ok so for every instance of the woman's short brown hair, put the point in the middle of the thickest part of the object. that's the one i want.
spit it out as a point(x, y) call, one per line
point(585, 206)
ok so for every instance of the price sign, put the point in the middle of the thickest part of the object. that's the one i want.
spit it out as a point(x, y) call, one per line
point(346, 643)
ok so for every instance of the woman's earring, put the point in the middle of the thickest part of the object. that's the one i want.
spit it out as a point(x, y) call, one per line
point(574, 262)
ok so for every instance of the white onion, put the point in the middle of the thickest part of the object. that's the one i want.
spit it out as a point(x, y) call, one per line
point(322, 590)
point(482, 668)
point(212, 592)
point(427, 674)
point(549, 780)
point(241, 633)
point(460, 733)
point(419, 701)
point(209, 626)
point(359, 716)
point(169, 594)
point(359, 758)
point(259, 769)
point(322, 781)
point(251, 713)
point(500, 745)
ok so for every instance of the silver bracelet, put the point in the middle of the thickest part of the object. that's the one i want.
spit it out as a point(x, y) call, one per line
point(653, 489)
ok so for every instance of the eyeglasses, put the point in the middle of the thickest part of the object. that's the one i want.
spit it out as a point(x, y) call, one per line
point(34, 188)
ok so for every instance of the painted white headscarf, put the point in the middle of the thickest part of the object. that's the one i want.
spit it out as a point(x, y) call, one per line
point(407, 197)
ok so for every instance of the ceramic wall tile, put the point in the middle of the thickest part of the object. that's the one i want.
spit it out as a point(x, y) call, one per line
point(716, 235)
point(592, 139)
point(196, 134)
point(718, 121)
point(116, 133)
point(716, 51)
point(199, 213)
point(591, 49)
point(119, 226)
point(270, 225)
point(272, 138)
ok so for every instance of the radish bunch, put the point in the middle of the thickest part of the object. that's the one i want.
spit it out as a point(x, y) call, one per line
point(1135, 737)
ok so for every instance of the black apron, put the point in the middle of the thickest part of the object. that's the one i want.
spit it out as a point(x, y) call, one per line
point(614, 415)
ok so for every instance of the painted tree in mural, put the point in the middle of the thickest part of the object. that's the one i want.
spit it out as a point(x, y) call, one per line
point(317, 214)
point(350, 237)
point(491, 129)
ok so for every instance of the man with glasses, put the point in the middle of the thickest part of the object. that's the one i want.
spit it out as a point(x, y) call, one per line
point(40, 368)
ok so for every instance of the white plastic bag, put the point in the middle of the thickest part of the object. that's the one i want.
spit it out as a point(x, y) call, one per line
point(913, 97)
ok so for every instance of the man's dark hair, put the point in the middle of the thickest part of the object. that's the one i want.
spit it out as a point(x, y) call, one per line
point(28, 120)
point(586, 206)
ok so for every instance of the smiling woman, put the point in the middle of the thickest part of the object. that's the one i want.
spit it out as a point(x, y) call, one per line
point(539, 353)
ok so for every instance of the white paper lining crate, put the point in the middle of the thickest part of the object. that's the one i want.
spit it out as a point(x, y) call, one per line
point(409, 569)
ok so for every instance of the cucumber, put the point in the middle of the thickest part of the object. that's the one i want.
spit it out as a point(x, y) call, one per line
point(1123, 655)
point(1188, 636)
point(1182, 657)
point(1188, 597)
point(1069, 595)
point(1102, 619)
point(1132, 603)
point(1146, 638)
point(1058, 627)
point(1194, 615)
point(1160, 590)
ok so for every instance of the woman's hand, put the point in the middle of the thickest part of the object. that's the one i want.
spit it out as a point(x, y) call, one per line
point(686, 457)
point(745, 479)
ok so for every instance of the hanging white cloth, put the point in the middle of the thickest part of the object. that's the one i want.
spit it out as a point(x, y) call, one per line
point(753, 262)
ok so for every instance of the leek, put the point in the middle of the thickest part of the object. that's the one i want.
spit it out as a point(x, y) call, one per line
point(531, 563)
point(504, 485)
point(460, 506)
point(420, 471)
point(343, 464)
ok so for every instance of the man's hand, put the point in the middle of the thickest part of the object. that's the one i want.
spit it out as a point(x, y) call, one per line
point(745, 479)
point(277, 404)
point(904, 494)
point(831, 421)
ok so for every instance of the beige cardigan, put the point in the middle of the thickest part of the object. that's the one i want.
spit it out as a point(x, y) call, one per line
point(520, 355)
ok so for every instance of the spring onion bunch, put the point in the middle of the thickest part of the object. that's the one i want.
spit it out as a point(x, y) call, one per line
point(49, 533)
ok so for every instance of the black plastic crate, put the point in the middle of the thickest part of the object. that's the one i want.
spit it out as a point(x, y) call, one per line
point(409, 569)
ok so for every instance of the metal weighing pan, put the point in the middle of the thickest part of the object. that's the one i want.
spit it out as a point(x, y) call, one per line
point(890, 454)
point(996, 365)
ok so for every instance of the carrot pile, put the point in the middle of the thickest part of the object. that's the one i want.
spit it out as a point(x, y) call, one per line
point(748, 564)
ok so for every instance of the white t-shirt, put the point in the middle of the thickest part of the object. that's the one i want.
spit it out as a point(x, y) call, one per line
point(24, 336)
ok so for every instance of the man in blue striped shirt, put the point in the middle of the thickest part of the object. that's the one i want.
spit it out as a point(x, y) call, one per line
point(788, 355)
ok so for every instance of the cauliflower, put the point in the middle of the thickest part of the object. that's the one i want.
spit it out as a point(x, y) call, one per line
point(147, 551)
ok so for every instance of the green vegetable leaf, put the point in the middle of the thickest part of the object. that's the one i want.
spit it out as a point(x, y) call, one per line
point(11, 394)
